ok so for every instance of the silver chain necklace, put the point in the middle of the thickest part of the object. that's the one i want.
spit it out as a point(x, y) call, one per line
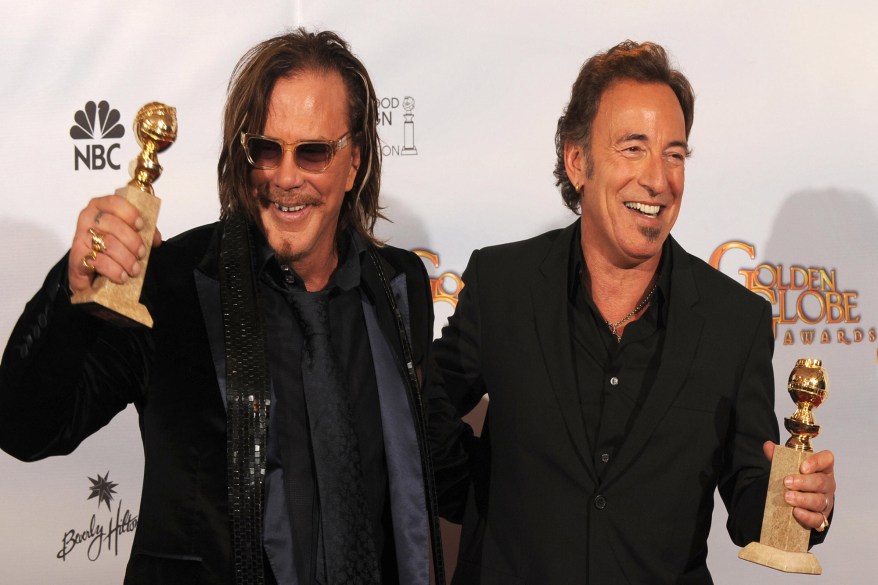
point(636, 310)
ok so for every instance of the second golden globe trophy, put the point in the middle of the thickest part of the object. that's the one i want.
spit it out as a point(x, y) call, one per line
point(155, 128)
point(783, 543)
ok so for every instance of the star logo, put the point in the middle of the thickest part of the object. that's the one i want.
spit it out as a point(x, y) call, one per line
point(102, 489)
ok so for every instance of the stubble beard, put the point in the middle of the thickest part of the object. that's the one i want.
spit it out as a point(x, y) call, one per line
point(651, 234)
point(283, 251)
point(285, 255)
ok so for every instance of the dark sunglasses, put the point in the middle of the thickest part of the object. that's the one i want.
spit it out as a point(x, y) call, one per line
point(312, 156)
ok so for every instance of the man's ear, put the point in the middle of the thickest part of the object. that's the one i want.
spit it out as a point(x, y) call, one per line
point(575, 164)
point(355, 166)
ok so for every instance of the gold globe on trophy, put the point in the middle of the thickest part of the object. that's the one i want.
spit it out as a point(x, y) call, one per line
point(155, 128)
point(783, 543)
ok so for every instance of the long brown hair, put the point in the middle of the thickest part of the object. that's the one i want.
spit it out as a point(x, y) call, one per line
point(247, 106)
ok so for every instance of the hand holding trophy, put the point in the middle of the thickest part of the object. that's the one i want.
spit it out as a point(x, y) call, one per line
point(783, 543)
point(155, 127)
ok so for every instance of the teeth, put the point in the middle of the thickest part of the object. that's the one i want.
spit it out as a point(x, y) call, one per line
point(651, 210)
point(289, 209)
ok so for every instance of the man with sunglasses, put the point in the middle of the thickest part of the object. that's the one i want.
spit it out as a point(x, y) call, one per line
point(278, 389)
point(627, 384)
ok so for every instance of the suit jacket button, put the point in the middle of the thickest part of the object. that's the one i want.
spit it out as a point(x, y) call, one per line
point(600, 502)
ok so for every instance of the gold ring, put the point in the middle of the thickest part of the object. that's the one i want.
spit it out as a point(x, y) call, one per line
point(97, 240)
point(825, 503)
point(90, 256)
point(823, 525)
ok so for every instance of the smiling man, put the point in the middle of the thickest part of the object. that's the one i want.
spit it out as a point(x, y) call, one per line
point(278, 393)
point(628, 384)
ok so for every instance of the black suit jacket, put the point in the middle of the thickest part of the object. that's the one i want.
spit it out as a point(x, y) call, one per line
point(65, 374)
point(534, 510)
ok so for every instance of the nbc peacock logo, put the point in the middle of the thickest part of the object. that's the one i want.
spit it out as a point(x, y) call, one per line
point(96, 122)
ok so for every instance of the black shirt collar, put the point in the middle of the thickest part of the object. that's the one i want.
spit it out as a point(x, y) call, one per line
point(352, 250)
point(576, 267)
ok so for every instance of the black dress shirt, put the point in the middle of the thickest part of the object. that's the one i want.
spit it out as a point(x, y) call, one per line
point(613, 378)
point(290, 535)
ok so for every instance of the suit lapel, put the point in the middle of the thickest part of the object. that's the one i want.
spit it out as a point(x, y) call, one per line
point(207, 285)
point(551, 315)
point(405, 476)
point(206, 277)
point(374, 292)
point(682, 337)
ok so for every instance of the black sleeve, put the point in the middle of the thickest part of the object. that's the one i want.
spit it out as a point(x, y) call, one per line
point(454, 386)
point(65, 373)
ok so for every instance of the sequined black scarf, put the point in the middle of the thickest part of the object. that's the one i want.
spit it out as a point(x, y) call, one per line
point(248, 397)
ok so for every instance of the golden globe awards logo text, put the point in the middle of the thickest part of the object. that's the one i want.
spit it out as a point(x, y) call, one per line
point(447, 286)
point(809, 305)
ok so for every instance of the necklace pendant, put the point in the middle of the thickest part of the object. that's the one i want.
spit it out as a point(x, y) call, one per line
point(612, 328)
point(643, 303)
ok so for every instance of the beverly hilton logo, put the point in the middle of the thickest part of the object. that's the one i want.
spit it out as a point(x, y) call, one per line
point(392, 110)
point(96, 122)
point(98, 535)
point(809, 306)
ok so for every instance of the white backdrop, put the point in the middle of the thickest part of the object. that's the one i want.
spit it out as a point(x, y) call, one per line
point(784, 162)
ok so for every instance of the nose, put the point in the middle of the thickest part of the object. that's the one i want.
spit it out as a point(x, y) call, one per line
point(653, 175)
point(287, 175)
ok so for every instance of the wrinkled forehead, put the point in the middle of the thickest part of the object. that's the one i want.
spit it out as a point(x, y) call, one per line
point(631, 106)
point(309, 104)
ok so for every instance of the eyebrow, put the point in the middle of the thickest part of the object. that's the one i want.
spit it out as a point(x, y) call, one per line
point(644, 138)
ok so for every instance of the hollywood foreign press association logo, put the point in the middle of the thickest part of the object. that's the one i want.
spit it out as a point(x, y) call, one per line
point(98, 536)
point(96, 122)
point(396, 141)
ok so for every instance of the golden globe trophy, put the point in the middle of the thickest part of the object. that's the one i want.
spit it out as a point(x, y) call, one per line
point(155, 127)
point(783, 543)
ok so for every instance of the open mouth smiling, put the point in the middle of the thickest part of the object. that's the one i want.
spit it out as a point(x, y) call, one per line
point(645, 209)
point(296, 205)
point(289, 209)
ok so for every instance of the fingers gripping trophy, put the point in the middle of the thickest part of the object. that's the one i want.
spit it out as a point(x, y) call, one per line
point(155, 128)
point(783, 543)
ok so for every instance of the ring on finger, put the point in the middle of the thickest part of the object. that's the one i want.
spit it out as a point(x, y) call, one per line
point(825, 503)
point(90, 256)
point(97, 240)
